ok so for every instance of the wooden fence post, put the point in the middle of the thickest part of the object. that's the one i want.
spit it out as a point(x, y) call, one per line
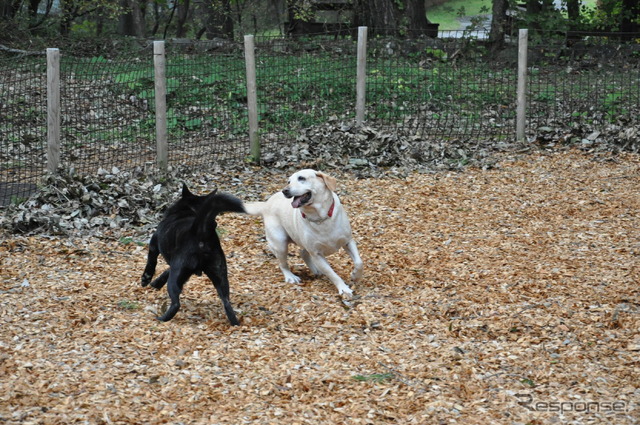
point(53, 109)
point(361, 75)
point(521, 108)
point(159, 65)
point(252, 97)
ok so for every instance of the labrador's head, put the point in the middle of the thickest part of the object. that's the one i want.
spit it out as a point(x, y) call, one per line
point(305, 185)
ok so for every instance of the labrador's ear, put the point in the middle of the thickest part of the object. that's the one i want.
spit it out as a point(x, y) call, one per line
point(329, 181)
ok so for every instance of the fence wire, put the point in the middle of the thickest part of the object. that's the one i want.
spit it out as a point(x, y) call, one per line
point(582, 87)
point(107, 117)
point(440, 90)
point(443, 89)
point(207, 116)
point(23, 122)
point(301, 83)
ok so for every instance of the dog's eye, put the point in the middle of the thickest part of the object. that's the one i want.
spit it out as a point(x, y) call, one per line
point(302, 179)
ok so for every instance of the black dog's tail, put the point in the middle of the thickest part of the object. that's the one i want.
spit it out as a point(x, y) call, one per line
point(214, 204)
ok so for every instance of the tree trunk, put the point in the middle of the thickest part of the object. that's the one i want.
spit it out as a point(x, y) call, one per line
point(33, 8)
point(9, 9)
point(216, 19)
point(416, 17)
point(630, 13)
point(207, 11)
point(498, 24)
point(573, 12)
point(183, 14)
point(38, 20)
point(68, 15)
point(137, 18)
point(132, 21)
point(156, 18)
point(381, 16)
point(228, 21)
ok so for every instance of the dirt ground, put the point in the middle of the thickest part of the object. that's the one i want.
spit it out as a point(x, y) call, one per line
point(506, 296)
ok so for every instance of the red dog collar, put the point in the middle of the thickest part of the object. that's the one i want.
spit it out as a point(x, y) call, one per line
point(330, 213)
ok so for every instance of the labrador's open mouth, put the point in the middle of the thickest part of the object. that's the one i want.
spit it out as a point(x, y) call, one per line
point(299, 201)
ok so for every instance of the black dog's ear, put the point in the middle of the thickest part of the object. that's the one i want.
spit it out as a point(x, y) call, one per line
point(185, 191)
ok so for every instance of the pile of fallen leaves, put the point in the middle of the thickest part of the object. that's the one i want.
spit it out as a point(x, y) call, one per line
point(371, 151)
point(68, 202)
point(374, 152)
point(615, 137)
point(121, 199)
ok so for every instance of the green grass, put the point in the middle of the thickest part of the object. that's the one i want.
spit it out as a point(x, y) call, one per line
point(129, 240)
point(447, 14)
point(376, 377)
point(129, 305)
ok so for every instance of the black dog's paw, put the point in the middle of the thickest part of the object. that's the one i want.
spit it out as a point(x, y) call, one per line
point(161, 280)
point(146, 280)
point(157, 284)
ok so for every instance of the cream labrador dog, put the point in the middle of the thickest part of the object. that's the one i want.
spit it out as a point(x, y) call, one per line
point(307, 212)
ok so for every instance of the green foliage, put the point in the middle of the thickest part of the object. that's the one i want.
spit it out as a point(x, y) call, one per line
point(437, 53)
point(608, 15)
point(528, 382)
point(378, 378)
point(136, 79)
point(127, 240)
point(207, 98)
point(302, 11)
point(546, 95)
point(98, 60)
point(129, 305)
point(547, 21)
point(612, 106)
point(84, 28)
point(448, 93)
point(17, 200)
point(193, 124)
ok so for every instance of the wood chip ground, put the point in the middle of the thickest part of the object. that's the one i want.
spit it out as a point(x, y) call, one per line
point(507, 296)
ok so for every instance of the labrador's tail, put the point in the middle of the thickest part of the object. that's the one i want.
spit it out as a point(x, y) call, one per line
point(254, 208)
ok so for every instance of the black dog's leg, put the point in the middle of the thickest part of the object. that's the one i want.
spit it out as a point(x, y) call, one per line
point(161, 280)
point(216, 271)
point(177, 279)
point(152, 261)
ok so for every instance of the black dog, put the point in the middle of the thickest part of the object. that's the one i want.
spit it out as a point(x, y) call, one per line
point(186, 237)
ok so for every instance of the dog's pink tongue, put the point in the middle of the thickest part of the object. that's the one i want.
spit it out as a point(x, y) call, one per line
point(296, 202)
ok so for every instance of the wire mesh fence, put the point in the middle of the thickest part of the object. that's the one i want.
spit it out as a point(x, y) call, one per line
point(107, 115)
point(301, 83)
point(440, 90)
point(582, 87)
point(435, 89)
point(23, 123)
point(206, 101)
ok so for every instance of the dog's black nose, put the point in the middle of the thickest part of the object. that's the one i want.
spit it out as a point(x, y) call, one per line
point(286, 193)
